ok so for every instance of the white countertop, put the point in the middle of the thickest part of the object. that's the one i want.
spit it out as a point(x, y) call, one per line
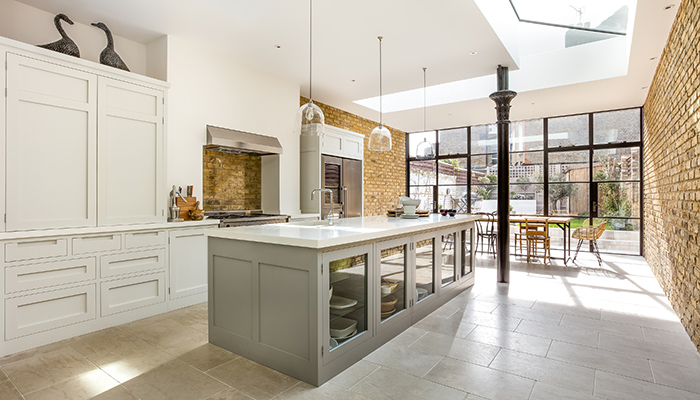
point(107, 229)
point(345, 231)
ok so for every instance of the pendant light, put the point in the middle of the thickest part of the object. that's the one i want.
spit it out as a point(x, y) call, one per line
point(425, 149)
point(380, 138)
point(310, 119)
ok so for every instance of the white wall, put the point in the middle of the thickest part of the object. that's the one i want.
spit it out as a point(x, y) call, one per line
point(31, 25)
point(211, 88)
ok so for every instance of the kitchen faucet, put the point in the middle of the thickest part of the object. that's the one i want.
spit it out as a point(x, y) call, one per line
point(330, 215)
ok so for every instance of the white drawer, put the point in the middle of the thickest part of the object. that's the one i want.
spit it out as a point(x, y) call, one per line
point(129, 263)
point(40, 312)
point(130, 293)
point(144, 239)
point(36, 276)
point(94, 244)
point(33, 249)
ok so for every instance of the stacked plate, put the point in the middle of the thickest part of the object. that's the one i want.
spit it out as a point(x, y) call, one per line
point(343, 328)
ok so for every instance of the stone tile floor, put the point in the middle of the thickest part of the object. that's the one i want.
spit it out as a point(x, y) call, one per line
point(555, 332)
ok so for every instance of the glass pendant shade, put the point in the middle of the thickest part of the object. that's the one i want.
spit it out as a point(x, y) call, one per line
point(380, 139)
point(425, 149)
point(310, 120)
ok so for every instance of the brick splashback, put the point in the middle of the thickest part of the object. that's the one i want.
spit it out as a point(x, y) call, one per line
point(385, 172)
point(672, 169)
point(233, 183)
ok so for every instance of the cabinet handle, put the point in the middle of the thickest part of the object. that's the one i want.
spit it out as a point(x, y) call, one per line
point(38, 243)
point(146, 233)
point(109, 237)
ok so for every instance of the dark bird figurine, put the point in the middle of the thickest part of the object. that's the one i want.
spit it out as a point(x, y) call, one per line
point(64, 45)
point(108, 55)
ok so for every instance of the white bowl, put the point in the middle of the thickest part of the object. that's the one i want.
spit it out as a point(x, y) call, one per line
point(341, 327)
point(386, 289)
point(407, 201)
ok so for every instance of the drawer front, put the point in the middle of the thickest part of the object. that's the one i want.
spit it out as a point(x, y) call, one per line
point(130, 293)
point(40, 312)
point(94, 244)
point(144, 239)
point(36, 276)
point(33, 249)
point(129, 263)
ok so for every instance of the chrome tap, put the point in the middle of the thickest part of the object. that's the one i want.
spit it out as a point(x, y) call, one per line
point(330, 215)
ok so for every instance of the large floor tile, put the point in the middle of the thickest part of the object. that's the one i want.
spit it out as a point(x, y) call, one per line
point(613, 328)
point(481, 381)
point(404, 359)
point(195, 317)
point(511, 340)
point(564, 308)
point(82, 387)
point(545, 370)
point(578, 336)
point(170, 336)
point(23, 355)
point(207, 356)
point(253, 379)
point(668, 338)
point(386, 384)
point(670, 323)
point(622, 364)
point(543, 391)
point(357, 372)
point(479, 318)
point(122, 356)
point(616, 387)
point(461, 349)
point(44, 370)
point(545, 317)
point(505, 299)
point(9, 392)
point(409, 336)
point(329, 391)
point(174, 381)
point(654, 351)
point(448, 326)
point(679, 377)
point(230, 394)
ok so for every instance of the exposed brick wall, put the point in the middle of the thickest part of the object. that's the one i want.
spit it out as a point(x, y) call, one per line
point(385, 172)
point(231, 181)
point(672, 169)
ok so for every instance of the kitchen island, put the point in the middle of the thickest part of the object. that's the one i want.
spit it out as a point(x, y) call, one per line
point(310, 300)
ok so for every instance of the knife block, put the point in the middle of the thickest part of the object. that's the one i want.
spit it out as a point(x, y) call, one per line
point(185, 207)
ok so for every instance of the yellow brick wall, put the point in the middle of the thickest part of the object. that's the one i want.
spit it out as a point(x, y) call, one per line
point(672, 169)
point(385, 172)
point(231, 181)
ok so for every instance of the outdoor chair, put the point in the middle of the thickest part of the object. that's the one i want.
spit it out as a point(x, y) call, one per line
point(591, 233)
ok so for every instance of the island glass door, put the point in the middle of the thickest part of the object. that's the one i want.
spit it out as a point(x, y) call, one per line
point(347, 297)
point(467, 263)
point(393, 273)
point(425, 268)
point(449, 258)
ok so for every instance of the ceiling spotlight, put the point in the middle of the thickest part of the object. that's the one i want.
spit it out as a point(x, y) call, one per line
point(645, 87)
point(472, 53)
point(278, 46)
point(652, 59)
point(668, 7)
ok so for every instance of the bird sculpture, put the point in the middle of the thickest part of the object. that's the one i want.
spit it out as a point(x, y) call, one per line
point(64, 45)
point(108, 56)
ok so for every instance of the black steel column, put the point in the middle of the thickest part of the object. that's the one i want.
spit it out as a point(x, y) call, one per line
point(502, 99)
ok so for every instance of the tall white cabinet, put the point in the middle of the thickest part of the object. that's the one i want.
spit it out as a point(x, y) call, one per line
point(51, 145)
point(84, 242)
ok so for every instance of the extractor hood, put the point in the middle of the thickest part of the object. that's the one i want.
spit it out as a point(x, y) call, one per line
point(234, 141)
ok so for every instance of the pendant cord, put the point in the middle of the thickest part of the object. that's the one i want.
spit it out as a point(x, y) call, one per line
point(310, 48)
point(424, 100)
point(380, 81)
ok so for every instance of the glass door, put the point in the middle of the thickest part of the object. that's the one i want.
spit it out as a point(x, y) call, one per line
point(393, 282)
point(347, 304)
point(467, 261)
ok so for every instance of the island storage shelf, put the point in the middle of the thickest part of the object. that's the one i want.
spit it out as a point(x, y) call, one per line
point(311, 300)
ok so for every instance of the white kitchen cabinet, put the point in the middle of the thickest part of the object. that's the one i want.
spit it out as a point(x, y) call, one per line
point(51, 145)
point(131, 293)
point(188, 262)
point(130, 153)
point(342, 143)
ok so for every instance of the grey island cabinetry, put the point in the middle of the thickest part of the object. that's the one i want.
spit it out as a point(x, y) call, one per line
point(310, 300)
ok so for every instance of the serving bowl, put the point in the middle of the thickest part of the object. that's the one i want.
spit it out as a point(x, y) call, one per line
point(388, 303)
point(386, 289)
point(341, 327)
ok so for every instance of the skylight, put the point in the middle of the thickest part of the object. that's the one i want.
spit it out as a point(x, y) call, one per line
point(603, 16)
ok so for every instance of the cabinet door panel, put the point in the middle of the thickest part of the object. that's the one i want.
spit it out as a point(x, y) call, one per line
point(130, 154)
point(188, 263)
point(51, 133)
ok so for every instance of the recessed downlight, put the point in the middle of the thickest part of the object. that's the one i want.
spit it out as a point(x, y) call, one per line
point(278, 46)
point(653, 58)
point(472, 53)
point(645, 87)
point(668, 7)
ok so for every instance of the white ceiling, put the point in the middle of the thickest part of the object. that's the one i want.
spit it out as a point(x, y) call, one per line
point(417, 33)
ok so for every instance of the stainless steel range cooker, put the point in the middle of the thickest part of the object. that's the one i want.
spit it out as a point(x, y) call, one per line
point(245, 217)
